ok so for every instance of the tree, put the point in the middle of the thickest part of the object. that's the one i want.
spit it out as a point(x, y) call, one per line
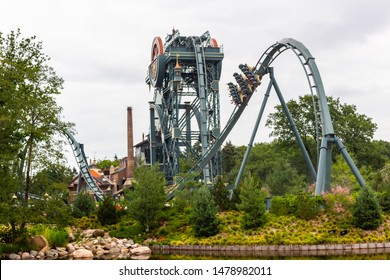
point(204, 214)
point(29, 116)
point(147, 199)
point(106, 212)
point(220, 194)
point(83, 205)
point(228, 155)
point(252, 203)
point(284, 179)
point(356, 130)
point(366, 212)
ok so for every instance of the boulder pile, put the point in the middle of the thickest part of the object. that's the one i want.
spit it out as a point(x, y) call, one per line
point(93, 244)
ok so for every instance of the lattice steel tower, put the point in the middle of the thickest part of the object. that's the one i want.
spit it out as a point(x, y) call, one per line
point(184, 114)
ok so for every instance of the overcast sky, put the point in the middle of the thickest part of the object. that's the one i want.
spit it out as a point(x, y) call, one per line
point(101, 48)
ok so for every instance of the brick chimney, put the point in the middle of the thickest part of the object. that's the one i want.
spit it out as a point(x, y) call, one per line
point(130, 145)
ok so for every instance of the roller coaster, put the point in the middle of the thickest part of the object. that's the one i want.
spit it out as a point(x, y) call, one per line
point(184, 73)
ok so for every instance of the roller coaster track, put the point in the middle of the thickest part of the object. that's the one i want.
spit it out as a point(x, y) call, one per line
point(313, 76)
point(78, 152)
point(261, 68)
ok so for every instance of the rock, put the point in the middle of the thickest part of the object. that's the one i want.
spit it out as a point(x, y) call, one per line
point(82, 254)
point(40, 242)
point(34, 253)
point(140, 257)
point(115, 251)
point(98, 232)
point(141, 250)
point(26, 256)
point(51, 255)
point(14, 257)
point(70, 248)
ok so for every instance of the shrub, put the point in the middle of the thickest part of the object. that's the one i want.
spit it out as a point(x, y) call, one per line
point(307, 207)
point(366, 211)
point(56, 237)
point(106, 212)
point(339, 203)
point(84, 205)
point(279, 206)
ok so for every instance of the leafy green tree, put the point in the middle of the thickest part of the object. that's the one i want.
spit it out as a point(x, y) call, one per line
point(147, 199)
point(366, 212)
point(252, 203)
point(356, 130)
point(106, 163)
point(220, 194)
point(30, 119)
point(83, 205)
point(204, 218)
point(284, 179)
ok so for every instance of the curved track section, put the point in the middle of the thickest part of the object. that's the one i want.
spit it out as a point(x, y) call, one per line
point(261, 69)
point(78, 152)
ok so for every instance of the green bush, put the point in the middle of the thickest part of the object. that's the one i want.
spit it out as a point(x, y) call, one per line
point(87, 222)
point(84, 205)
point(366, 211)
point(106, 212)
point(384, 200)
point(307, 207)
point(279, 206)
point(56, 237)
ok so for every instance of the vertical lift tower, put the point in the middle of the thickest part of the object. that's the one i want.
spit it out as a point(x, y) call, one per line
point(184, 114)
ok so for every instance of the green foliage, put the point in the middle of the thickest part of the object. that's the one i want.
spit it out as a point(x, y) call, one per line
point(30, 121)
point(356, 130)
point(220, 194)
point(87, 222)
point(204, 213)
point(279, 206)
point(129, 229)
point(56, 237)
point(147, 199)
point(184, 197)
point(252, 203)
point(384, 200)
point(308, 207)
point(284, 179)
point(366, 211)
point(106, 212)
point(106, 163)
point(84, 205)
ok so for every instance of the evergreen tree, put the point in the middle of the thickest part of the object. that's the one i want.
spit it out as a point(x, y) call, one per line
point(366, 211)
point(220, 194)
point(204, 213)
point(106, 212)
point(84, 205)
point(252, 203)
point(147, 199)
